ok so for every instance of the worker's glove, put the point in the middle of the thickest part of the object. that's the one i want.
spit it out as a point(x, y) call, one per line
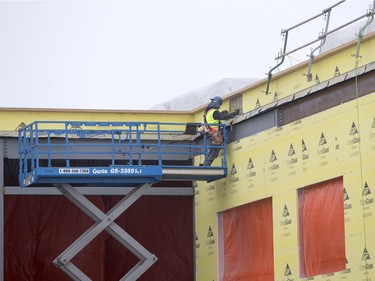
point(197, 135)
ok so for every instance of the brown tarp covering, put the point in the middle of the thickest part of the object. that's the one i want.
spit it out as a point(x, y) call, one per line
point(248, 242)
point(39, 228)
point(321, 228)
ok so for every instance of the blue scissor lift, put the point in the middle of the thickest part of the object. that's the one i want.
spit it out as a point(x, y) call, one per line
point(132, 154)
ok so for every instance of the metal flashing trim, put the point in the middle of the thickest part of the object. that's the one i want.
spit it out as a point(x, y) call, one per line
point(370, 67)
point(10, 134)
point(269, 106)
point(319, 87)
point(286, 100)
point(337, 79)
point(302, 94)
point(359, 71)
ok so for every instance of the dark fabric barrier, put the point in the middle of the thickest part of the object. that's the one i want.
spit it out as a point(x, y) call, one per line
point(39, 228)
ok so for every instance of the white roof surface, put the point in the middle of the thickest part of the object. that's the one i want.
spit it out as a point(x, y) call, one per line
point(198, 97)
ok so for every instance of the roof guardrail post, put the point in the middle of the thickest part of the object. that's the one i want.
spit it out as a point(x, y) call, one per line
point(67, 145)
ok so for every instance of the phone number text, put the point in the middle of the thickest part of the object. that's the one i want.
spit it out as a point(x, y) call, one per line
point(113, 171)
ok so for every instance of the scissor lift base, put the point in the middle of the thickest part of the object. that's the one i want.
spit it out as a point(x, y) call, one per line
point(104, 221)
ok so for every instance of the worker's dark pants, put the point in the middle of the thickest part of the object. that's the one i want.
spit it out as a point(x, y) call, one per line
point(213, 153)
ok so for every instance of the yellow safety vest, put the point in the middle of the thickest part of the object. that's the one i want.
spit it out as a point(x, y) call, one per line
point(213, 129)
point(210, 117)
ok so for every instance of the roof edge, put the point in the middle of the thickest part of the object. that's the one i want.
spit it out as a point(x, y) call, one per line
point(132, 111)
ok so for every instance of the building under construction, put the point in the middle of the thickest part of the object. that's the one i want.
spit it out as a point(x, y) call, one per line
point(120, 195)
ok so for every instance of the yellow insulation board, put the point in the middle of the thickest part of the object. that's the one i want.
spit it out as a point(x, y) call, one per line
point(12, 119)
point(277, 162)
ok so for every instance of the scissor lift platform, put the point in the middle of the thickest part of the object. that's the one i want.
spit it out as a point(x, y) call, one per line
point(135, 154)
point(121, 175)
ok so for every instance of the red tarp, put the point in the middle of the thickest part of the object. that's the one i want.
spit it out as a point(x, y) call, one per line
point(248, 242)
point(39, 228)
point(321, 228)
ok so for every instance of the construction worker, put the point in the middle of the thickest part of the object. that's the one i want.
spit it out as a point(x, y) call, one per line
point(213, 116)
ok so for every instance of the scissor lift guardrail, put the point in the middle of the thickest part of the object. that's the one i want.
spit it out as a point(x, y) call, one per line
point(137, 154)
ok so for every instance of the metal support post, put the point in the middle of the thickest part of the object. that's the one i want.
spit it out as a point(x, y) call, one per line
point(104, 222)
point(1, 209)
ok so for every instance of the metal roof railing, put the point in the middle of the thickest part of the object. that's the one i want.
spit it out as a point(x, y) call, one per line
point(134, 152)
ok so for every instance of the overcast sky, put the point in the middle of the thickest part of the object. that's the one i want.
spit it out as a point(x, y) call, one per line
point(136, 54)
